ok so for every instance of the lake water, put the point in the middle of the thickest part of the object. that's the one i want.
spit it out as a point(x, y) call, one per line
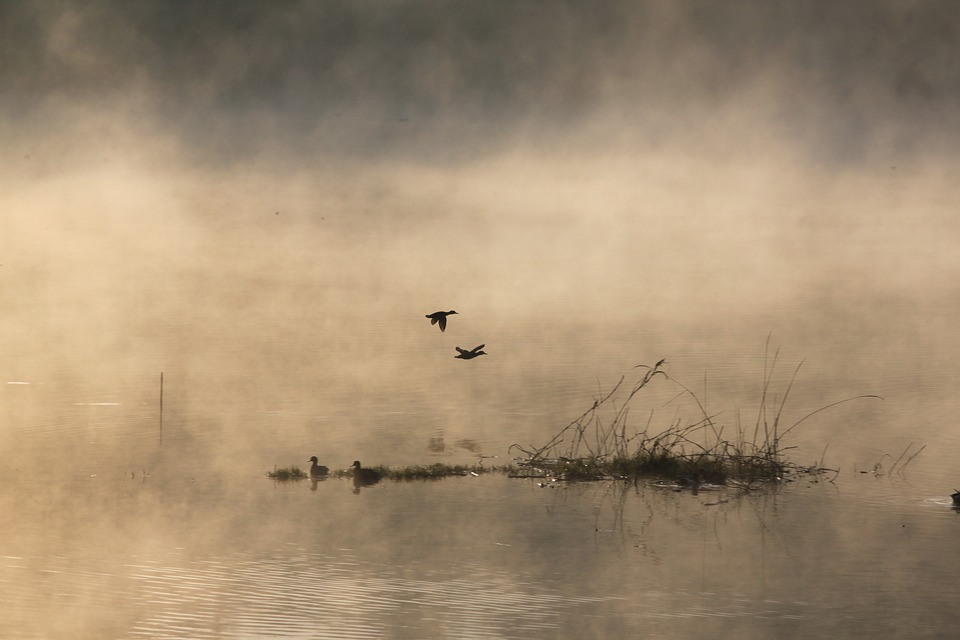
point(121, 556)
point(109, 534)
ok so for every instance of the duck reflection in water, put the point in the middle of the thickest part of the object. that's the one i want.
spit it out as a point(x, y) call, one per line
point(364, 477)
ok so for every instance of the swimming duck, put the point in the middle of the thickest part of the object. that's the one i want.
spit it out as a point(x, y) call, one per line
point(317, 470)
point(473, 353)
point(364, 477)
point(956, 497)
point(440, 317)
point(690, 482)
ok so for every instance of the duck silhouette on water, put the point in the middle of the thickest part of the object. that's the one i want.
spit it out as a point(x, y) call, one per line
point(317, 470)
point(473, 353)
point(364, 477)
point(689, 482)
point(956, 498)
point(440, 317)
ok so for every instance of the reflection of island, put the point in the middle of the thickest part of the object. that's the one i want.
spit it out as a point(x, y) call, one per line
point(470, 445)
point(436, 444)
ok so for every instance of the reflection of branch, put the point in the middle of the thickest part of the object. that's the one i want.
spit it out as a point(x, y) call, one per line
point(878, 468)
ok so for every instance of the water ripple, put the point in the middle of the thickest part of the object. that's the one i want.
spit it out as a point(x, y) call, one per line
point(280, 596)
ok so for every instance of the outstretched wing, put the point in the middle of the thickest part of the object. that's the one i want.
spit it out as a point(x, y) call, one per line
point(443, 323)
point(433, 319)
point(461, 351)
point(475, 349)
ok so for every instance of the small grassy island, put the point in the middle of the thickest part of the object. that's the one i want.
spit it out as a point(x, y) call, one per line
point(598, 445)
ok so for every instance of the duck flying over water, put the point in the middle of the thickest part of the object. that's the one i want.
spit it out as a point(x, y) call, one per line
point(473, 353)
point(440, 317)
point(317, 470)
point(364, 477)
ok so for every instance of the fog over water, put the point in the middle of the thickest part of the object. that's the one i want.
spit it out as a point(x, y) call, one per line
point(263, 201)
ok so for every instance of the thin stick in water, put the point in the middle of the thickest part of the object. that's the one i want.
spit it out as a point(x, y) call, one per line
point(161, 407)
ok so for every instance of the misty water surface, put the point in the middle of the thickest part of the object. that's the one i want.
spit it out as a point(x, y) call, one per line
point(207, 556)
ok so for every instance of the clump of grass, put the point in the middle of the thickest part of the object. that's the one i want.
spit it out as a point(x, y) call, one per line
point(595, 445)
point(434, 471)
point(287, 473)
point(429, 472)
point(348, 472)
point(439, 470)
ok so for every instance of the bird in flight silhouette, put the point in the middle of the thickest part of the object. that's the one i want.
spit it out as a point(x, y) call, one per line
point(440, 317)
point(469, 355)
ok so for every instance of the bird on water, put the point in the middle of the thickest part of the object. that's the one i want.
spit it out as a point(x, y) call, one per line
point(473, 353)
point(956, 497)
point(317, 470)
point(440, 317)
point(364, 477)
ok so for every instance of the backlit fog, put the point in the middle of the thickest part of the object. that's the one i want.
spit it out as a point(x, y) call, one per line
point(263, 200)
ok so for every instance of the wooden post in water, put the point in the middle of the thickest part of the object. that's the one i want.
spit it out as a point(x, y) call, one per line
point(161, 407)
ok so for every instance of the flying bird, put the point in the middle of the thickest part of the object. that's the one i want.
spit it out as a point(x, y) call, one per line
point(440, 317)
point(473, 353)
